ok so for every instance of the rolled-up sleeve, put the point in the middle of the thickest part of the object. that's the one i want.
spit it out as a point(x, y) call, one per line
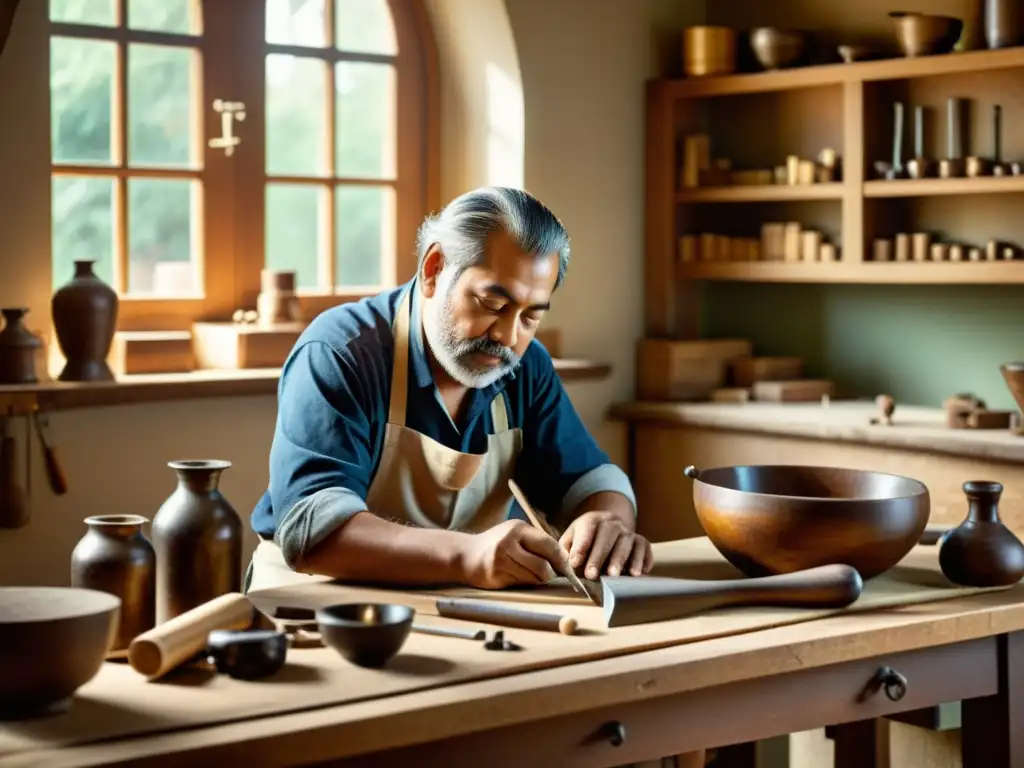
point(321, 457)
point(561, 464)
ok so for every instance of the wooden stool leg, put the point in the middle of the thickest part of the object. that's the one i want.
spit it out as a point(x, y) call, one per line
point(992, 731)
point(861, 744)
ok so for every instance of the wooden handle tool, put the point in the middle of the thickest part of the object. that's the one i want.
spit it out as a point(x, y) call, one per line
point(489, 613)
point(640, 599)
point(537, 523)
point(54, 469)
point(156, 652)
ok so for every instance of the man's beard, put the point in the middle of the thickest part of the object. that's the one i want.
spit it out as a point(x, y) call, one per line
point(454, 353)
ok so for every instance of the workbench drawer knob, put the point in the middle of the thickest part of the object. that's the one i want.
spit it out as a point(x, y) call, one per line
point(615, 732)
point(887, 679)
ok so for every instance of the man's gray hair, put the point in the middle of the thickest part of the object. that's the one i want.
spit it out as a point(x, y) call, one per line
point(462, 228)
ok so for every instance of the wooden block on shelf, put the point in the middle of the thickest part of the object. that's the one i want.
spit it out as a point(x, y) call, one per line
point(136, 352)
point(791, 239)
point(985, 419)
point(669, 369)
point(795, 391)
point(233, 346)
point(551, 338)
point(730, 395)
point(747, 371)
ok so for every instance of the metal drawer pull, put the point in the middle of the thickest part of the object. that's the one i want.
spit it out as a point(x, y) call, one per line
point(892, 682)
point(615, 732)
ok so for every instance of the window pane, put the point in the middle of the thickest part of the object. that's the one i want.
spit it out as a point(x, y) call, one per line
point(296, 115)
point(160, 105)
point(366, 120)
point(296, 22)
point(99, 12)
point(162, 237)
point(173, 16)
point(365, 234)
point(294, 234)
point(364, 26)
point(81, 98)
point(83, 226)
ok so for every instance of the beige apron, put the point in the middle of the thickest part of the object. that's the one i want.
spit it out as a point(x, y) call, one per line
point(419, 481)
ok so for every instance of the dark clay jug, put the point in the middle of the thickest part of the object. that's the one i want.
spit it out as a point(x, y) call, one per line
point(115, 557)
point(981, 551)
point(198, 540)
point(19, 348)
point(85, 318)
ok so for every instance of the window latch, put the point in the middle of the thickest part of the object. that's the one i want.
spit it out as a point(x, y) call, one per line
point(229, 112)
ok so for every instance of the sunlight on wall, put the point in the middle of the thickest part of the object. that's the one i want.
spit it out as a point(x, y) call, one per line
point(483, 124)
point(505, 128)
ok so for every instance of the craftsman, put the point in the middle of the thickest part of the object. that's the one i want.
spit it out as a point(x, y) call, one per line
point(401, 418)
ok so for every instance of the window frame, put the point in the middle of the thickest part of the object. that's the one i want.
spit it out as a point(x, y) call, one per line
point(232, 51)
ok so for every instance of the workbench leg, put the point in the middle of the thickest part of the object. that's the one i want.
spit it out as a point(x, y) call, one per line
point(861, 744)
point(992, 730)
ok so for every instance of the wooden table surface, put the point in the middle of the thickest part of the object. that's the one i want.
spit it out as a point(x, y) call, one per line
point(643, 705)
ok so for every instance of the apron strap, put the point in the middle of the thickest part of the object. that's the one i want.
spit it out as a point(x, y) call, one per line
point(400, 363)
point(499, 414)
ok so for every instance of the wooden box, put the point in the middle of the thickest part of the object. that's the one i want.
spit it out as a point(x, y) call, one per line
point(234, 346)
point(800, 391)
point(134, 352)
point(749, 370)
point(668, 369)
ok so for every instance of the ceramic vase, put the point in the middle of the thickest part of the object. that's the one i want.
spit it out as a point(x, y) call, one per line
point(114, 556)
point(85, 318)
point(197, 535)
point(19, 348)
point(1003, 23)
point(981, 551)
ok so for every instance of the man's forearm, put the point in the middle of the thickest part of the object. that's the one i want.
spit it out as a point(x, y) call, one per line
point(607, 501)
point(368, 548)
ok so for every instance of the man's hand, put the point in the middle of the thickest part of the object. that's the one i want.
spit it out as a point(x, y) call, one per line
point(513, 553)
point(607, 544)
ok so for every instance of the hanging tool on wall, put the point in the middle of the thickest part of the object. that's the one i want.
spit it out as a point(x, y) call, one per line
point(51, 460)
point(14, 502)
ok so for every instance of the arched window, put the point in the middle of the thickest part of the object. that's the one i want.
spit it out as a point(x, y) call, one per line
point(195, 143)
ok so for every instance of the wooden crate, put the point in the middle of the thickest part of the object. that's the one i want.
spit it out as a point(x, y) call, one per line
point(668, 369)
point(234, 346)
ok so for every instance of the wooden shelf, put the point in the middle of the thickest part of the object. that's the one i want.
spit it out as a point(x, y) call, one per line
point(868, 272)
point(156, 387)
point(935, 187)
point(755, 194)
point(838, 74)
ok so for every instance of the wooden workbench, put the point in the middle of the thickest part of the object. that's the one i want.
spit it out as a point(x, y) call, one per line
point(602, 698)
point(645, 705)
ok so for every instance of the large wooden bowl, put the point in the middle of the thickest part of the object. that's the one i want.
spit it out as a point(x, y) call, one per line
point(53, 640)
point(768, 520)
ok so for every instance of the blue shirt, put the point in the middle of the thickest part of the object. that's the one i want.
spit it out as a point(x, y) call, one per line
point(333, 401)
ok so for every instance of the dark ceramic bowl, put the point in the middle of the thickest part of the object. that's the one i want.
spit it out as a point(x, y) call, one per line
point(924, 34)
point(53, 640)
point(768, 520)
point(778, 48)
point(365, 634)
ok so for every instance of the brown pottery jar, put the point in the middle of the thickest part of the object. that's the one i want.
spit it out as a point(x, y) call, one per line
point(19, 348)
point(114, 556)
point(85, 318)
point(197, 535)
point(981, 551)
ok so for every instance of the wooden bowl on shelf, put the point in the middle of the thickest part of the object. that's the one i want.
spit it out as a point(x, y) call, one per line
point(53, 640)
point(1013, 375)
point(778, 48)
point(925, 34)
point(774, 519)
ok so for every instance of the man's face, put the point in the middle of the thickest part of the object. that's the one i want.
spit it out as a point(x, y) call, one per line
point(480, 324)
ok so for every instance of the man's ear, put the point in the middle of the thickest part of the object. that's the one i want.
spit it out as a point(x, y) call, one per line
point(430, 270)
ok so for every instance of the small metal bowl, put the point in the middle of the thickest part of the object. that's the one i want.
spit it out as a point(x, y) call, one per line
point(365, 634)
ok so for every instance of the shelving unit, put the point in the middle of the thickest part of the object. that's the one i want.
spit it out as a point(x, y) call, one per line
point(756, 119)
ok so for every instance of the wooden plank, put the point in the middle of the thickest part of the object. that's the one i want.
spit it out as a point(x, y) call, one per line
point(836, 74)
point(993, 725)
point(911, 273)
point(990, 185)
point(756, 194)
